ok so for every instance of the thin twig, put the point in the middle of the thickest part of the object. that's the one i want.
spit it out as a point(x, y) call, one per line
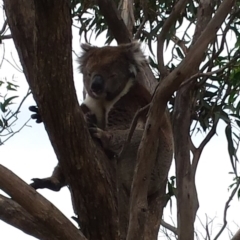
point(140, 28)
point(169, 227)
point(138, 114)
point(25, 124)
point(201, 74)
point(180, 43)
point(198, 151)
point(225, 210)
point(3, 27)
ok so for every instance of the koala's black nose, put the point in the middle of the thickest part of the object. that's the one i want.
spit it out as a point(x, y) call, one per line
point(97, 84)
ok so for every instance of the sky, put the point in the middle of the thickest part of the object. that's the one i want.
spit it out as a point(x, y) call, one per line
point(29, 155)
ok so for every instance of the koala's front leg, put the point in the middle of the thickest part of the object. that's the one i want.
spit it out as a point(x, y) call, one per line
point(54, 183)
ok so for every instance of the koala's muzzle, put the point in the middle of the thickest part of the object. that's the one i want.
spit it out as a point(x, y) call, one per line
point(97, 84)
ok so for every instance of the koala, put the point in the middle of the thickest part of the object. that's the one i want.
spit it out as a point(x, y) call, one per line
point(113, 97)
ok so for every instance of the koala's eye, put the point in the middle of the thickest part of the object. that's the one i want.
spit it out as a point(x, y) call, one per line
point(89, 74)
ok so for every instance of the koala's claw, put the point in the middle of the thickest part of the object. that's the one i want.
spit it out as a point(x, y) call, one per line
point(36, 116)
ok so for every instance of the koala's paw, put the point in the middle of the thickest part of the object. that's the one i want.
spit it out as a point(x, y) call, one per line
point(103, 136)
point(36, 116)
point(49, 183)
point(105, 139)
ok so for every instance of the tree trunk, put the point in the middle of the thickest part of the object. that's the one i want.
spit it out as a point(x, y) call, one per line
point(41, 32)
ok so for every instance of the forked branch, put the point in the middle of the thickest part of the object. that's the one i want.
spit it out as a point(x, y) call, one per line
point(13, 214)
point(39, 207)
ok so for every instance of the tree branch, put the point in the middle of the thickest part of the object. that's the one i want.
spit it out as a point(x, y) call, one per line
point(180, 43)
point(39, 207)
point(197, 152)
point(208, 74)
point(236, 236)
point(147, 149)
point(13, 214)
point(127, 14)
point(225, 212)
point(140, 28)
point(3, 27)
point(169, 227)
point(114, 21)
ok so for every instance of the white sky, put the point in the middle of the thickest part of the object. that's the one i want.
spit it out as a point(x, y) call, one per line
point(29, 154)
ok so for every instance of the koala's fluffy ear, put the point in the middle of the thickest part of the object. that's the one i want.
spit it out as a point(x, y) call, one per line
point(135, 56)
point(87, 49)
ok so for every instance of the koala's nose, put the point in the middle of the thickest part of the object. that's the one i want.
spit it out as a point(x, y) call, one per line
point(97, 84)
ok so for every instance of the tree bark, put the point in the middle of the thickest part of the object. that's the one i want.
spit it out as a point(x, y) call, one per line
point(42, 34)
point(187, 200)
point(236, 236)
point(13, 214)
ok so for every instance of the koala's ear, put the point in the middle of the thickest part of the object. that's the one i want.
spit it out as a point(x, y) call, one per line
point(87, 49)
point(138, 55)
point(135, 56)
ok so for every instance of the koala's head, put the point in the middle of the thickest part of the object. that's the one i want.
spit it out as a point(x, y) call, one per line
point(107, 70)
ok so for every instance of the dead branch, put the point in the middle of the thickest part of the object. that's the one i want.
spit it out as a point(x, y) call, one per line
point(39, 207)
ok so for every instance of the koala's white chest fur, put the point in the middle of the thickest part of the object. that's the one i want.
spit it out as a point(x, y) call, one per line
point(101, 107)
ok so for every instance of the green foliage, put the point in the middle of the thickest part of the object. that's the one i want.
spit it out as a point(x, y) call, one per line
point(5, 101)
point(8, 116)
